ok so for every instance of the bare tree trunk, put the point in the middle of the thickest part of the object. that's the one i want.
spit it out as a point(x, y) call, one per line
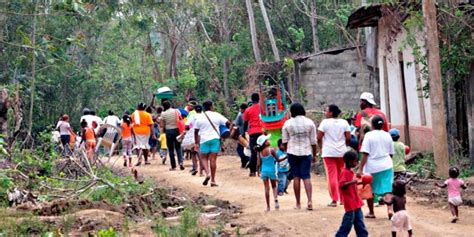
point(253, 31)
point(470, 112)
point(269, 30)
point(438, 113)
point(173, 72)
point(4, 105)
point(314, 26)
point(156, 67)
point(33, 76)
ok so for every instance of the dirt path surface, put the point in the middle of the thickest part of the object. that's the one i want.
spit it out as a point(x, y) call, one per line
point(236, 187)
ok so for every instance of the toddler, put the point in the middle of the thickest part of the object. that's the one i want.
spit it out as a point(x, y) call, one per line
point(454, 194)
point(400, 220)
point(283, 168)
point(163, 148)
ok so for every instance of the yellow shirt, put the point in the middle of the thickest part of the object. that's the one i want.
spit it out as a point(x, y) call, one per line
point(162, 139)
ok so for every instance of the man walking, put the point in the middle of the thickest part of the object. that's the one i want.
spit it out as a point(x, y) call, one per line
point(253, 123)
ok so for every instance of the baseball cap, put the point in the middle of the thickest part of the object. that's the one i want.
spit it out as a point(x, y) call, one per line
point(262, 138)
point(369, 97)
point(394, 132)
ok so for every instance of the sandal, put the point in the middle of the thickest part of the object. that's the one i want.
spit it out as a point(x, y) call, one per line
point(194, 172)
point(310, 206)
point(277, 205)
point(214, 185)
point(369, 216)
point(332, 204)
point(206, 181)
point(298, 207)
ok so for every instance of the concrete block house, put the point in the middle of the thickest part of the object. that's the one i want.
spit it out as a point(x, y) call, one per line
point(400, 78)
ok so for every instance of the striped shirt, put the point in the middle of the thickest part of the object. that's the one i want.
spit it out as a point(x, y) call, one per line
point(169, 118)
point(300, 133)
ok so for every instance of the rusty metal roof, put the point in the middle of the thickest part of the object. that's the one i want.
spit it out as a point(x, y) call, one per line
point(365, 16)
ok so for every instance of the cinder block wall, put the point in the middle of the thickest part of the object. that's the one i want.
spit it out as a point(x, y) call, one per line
point(335, 79)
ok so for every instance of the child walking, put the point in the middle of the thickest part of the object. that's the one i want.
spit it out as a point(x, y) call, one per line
point(88, 136)
point(155, 134)
point(283, 168)
point(163, 148)
point(400, 220)
point(398, 158)
point(454, 186)
point(266, 165)
point(127, 140)
point(352, 201)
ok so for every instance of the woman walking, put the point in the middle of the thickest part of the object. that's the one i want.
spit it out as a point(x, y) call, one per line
point(377, 150)
point(207, 138)
point(334, 135)
point(299, 138)
point(65, 131)
point(169, 124)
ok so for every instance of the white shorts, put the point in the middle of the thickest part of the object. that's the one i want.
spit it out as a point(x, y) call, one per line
point(401, 221)
point(456, 201)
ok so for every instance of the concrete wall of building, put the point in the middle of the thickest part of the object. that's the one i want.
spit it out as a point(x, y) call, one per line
point(335, 79)
point(392, 85)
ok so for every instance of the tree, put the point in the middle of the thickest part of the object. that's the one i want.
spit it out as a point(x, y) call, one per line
point(269, 31)
point(253, 31)
point(438, 113)
point(314, 26)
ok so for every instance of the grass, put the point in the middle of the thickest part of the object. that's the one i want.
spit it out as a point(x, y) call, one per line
point(188, 225)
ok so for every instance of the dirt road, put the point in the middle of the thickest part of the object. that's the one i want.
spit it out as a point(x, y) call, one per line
point(236, 187)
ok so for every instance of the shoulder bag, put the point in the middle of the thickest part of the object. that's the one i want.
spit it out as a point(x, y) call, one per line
point(215, 129)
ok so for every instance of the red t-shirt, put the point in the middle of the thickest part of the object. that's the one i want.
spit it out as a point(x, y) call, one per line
point(252, 116)
point(351, 198)
point(370, 112)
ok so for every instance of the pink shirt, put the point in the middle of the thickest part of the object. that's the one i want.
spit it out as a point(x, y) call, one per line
point(454, 185)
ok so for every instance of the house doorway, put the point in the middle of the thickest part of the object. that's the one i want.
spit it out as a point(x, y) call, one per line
point(406, 127)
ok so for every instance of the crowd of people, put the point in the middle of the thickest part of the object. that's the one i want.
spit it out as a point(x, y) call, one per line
point(363, 158)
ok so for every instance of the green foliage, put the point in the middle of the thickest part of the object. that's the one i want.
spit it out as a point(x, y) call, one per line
point(423, 166)
point(188, 225)
point(6, 183)
point(110, 232)
point(126, 185)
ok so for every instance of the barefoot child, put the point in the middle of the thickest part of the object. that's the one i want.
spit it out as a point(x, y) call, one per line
point(400, 220)
point(266, 166)
point(454, 195)
point(352, 201)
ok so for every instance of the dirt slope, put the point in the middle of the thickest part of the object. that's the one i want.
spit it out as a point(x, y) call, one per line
point(237, 187)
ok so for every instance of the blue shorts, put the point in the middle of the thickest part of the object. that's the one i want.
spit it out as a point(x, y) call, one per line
point(268, 175)
point(211, 146)
point(300, 166)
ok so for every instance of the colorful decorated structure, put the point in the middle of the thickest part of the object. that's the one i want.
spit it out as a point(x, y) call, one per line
point(273, 108)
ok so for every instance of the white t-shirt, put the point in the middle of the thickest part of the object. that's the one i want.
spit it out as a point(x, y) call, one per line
point(112, 120)
point(334, 139)
point(90, 119)
point(379, 145)
point(63, 127)
point(206, 131)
